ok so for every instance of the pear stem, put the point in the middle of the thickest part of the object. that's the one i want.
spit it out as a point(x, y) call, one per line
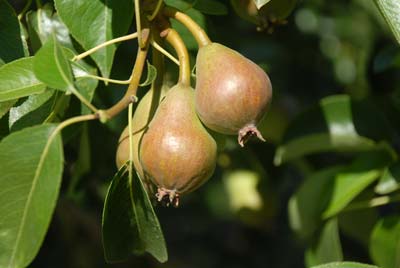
point(156, 10)
point(177, 43)
point(158, 62)
point(109, 42)
point(25, 9)
point(156, 86)
point(130, 95)
point(199, 34)
point(163, 51)
point(141, 43)
point(108, 80)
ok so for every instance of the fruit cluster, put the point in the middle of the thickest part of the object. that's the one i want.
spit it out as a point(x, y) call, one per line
point(172, 148)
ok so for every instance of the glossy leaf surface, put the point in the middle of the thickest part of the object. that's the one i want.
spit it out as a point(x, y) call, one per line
point(345, 265)
point(304, 212)
point(17, 80)
point(32, 111)
point(52, 67)
point(129, 222)
point(337, 124)
point(43, 23)
point(390, 10)
point(385, 242)
point(327, 247)
point(99, 21)
point(354, 179)
point(30, 178)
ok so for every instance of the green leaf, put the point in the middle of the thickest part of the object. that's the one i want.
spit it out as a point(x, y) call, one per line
point(261, 3)
point(18, 80)
point(11, 45)
point(149, 227)
point(359, 175)
point(43, 23)
point(87, 88)
point(60, 108)
point(390, 10)
point(120, 232)
point(338, 114)
point(24, 38)
point(210, 7)
point(337, 124)
point(52, 67)
point(6, 106)
point(390, 180)
point(151, 75)
point(85, 85)
point(358, 224)
point(30, 178)
point(304, 212)
point(33, 111)
point(385, 242)
point(327, 248)
point(92, 23)
point(345, 265)
point(129, 222)
point(180, 4)
point(318, 143)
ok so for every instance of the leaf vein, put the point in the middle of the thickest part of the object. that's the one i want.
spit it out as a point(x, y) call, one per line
point(29, 199)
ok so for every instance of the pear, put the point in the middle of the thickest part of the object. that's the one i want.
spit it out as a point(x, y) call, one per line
point(177, 153)
point(232, 92)
point(140, 121)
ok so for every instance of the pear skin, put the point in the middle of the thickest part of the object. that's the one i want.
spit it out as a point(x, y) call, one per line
point(232, 92)
point(177, 153)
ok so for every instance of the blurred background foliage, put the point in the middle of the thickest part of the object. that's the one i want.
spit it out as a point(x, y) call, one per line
point(322, 188)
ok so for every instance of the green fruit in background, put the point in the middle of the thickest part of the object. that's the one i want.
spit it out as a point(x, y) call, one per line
point(247, 10)
point(278, 9)
point(140, 121)
point(177, 153)
point(273, 13)
point(232, 92)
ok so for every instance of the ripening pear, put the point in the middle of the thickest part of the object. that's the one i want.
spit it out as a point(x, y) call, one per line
point(177, 153)
point(232, 92)
point(143, 114)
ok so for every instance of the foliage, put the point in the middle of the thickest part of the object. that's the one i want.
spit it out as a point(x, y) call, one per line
point(322, 191)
